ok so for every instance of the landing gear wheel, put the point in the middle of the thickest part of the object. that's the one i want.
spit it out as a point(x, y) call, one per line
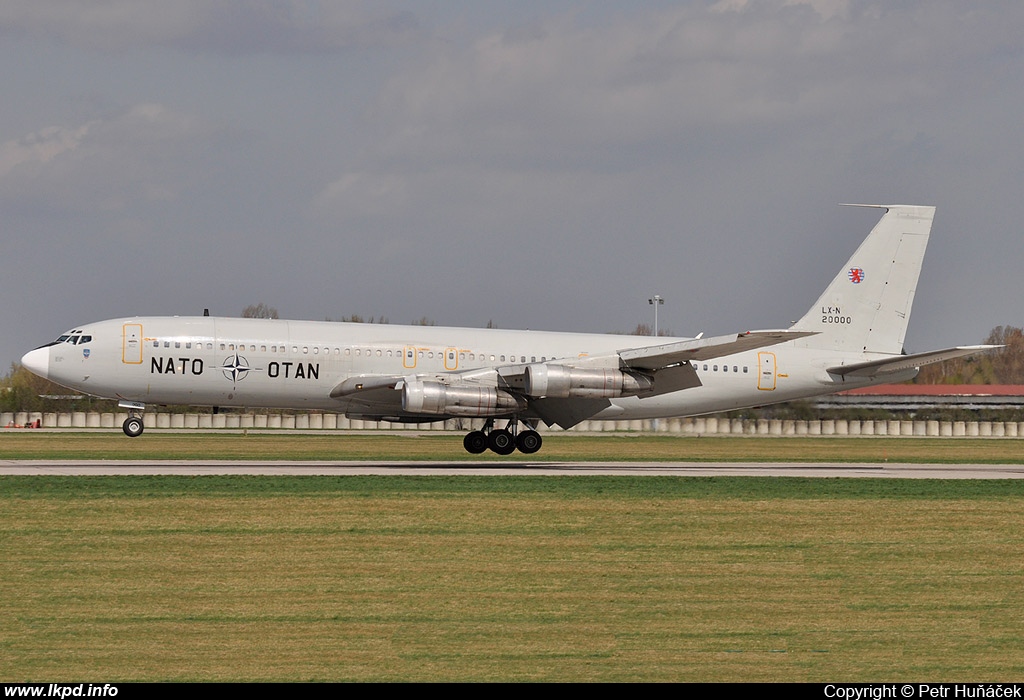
point(502, 442)
point(475, 442)
point(133, 426)
point(528, 441)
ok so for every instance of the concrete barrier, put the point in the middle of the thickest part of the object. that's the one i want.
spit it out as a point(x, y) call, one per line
point(699, 425)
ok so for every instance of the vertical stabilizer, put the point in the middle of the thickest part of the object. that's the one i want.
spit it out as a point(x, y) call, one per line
point(866, 308)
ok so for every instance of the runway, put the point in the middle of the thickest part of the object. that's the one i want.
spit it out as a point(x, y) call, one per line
point(488, 468)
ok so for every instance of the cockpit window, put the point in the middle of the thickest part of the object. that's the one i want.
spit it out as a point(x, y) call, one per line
point(74, 337)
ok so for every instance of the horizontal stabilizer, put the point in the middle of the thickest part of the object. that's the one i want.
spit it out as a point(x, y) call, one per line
point(899, 363)
point(658, 356)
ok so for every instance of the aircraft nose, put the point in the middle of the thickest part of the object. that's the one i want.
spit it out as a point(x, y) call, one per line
point(37, 362)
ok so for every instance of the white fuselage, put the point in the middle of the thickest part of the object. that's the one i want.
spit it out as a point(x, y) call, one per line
point(209, 361)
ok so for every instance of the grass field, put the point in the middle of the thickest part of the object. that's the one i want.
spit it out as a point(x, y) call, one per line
point(520, 578)
point(557, 448)
point(523, 578)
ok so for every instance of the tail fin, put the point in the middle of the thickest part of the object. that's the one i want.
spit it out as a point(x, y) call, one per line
point(867, 306)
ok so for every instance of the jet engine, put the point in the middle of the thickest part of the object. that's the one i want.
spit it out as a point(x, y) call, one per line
point(556, 381)
point(468, 401)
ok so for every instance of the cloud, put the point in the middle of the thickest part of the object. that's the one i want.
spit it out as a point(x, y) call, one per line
point(221, 26)
point(556, 88)
point(141, 153)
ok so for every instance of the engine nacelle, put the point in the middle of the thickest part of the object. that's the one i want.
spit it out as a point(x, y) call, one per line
point(466, 401)
point(560, 382)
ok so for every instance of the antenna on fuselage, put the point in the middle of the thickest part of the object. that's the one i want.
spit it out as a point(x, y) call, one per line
point(206, 312)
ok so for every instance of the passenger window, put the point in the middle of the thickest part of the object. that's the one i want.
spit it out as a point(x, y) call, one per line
point(735, 368)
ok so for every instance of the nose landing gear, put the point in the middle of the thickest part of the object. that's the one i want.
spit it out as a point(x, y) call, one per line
point(133, 425)
point(503, 441)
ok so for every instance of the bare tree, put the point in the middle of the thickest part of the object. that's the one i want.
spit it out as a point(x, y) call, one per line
point(647, 329)
point(357, 318)
point(1003, 366)
point(260, 310)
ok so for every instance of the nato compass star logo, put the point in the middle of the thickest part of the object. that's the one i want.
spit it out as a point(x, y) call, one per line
point(236, 368)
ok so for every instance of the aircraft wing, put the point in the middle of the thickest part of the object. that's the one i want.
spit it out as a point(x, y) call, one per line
point(899, 363)
point(657, 370)
point(660, 356)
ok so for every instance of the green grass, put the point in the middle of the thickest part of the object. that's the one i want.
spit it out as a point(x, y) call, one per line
point(521, 578)
point(557, 448)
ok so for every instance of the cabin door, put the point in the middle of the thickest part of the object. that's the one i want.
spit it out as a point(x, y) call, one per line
point(766, 371)
point(131, 344)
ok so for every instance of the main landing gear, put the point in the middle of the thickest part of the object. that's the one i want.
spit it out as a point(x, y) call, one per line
point(503, 441)
point(133, 425)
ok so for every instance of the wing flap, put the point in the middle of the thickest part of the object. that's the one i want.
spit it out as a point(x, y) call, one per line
point(658, 356)
point(566, 413)
point(899, 363)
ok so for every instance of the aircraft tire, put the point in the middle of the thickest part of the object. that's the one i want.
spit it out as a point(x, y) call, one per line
point(528, 441)
point(501, 442)
point(133, 427)
point(475, 442)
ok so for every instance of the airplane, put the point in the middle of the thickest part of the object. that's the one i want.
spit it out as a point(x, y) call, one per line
point(852, 337)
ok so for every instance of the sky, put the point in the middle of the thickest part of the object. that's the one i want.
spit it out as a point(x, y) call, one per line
point(546, 165)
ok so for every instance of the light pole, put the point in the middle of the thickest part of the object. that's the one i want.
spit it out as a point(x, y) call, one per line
point(656, 301)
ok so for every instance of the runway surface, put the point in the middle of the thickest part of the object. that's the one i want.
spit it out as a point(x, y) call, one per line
point(490, 468)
